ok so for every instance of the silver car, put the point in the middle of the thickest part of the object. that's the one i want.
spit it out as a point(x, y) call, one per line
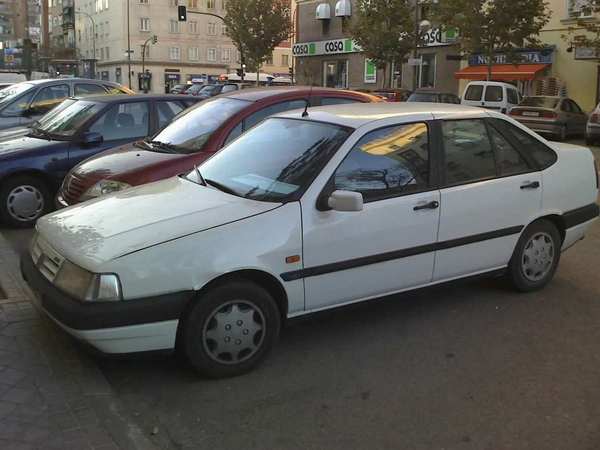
point(23, 103)
point(592, 131)
point(559, 117)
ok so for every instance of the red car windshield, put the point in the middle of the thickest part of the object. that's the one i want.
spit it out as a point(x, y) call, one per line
point(188, 133)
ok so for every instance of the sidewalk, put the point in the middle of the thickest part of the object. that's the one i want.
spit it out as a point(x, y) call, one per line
point(52, 395)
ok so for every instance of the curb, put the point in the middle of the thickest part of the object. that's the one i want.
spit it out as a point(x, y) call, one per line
point(88, 393)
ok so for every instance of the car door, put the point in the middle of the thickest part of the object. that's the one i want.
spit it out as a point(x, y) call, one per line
point(493, 98)
point(118, 124)
point(15, 114)
point(384, 248)
point(579, 118)
point(490, 191)
point(567, 115)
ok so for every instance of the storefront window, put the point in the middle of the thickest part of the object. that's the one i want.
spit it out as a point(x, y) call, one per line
point(336, 74)
point(427, 72)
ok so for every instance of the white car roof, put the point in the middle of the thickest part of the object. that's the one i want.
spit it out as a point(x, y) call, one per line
point(355, 115)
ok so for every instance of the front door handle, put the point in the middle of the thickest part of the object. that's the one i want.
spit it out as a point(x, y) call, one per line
point(530, 185)
point(429, 205)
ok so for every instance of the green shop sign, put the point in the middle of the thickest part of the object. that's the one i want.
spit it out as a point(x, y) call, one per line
point(333, 47)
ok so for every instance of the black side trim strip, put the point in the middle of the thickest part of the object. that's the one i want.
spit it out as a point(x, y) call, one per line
point(397, 254)
point(581, 215)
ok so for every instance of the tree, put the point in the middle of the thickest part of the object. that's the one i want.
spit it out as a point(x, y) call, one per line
point(385, 30)
point(256, 27)
point(489, 26)
point(591, 29)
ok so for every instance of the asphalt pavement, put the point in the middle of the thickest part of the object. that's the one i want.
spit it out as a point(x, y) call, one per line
point(472, 365)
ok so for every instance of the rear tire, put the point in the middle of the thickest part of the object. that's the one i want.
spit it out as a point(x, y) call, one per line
point(536, 256)
point(230, 329)
point(23, 200)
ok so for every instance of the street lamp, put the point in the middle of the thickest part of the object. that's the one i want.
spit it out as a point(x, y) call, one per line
point(154, 40)
point(93, 38)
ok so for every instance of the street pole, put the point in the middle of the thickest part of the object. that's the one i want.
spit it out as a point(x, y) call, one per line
point(415, 68)
point(93, 38)
point(153, 39)
point(128, 48)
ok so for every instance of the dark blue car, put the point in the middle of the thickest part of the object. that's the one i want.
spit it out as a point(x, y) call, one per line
point(33, 166)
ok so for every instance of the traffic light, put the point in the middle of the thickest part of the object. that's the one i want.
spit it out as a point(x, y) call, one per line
point(154, 39)
point(182, 13)
point(240, 72)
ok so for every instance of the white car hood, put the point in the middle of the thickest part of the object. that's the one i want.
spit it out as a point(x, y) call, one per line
point(97, 231)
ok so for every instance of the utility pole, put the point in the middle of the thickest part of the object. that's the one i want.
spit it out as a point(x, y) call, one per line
point(89, 16)
point(128, 48)
point(154, 40)
point(417, 30)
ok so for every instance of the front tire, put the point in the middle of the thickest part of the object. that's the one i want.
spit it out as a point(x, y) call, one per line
point(23, 200)
point(230, 329)
point(535, 257)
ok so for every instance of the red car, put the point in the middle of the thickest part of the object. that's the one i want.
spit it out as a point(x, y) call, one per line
point(192, 137)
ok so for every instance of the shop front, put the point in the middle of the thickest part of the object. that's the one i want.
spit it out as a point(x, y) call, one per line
point(172, 78)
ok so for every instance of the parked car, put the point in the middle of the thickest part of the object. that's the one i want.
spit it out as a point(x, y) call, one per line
point(393, 95)
point(23, 103)
point(211, 90)
point(491, 95)
point(433, 97)
point(33, 166)
point(592, 132)
point(556, 116)
point(191, 139)
point(214, 260)
point(194, 89)
point(180, 88)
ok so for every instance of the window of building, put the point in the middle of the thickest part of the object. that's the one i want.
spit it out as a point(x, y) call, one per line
point(105, 4)
point(269, 60)
point(193, 26)
point(174, 2)
point(226, 54)
point(210, 4)
point(387, 163)
point(174, 53)
point(173, 26)
point(285, 60)
point(468, 151)
point(223, 30)
point(193, 54)
point(336, 74)
point(144, 24)
point(212, 54)
point(102, 53)
point(427, 71)
point(107, 53)
point(212, 28)
point(144, 2)
point(577, 9)
point(146, 50)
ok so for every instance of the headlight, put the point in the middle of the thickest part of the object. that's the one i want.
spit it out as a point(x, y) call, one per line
point(87, 286)
point(104, 187)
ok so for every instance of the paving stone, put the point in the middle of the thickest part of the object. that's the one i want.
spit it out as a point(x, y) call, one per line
point(18, 395)
point(11, 376)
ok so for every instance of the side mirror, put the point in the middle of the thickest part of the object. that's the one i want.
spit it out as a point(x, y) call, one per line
point(347, 201)
point(91, 138)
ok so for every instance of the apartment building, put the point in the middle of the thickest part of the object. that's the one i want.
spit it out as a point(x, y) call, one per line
point(195, 50)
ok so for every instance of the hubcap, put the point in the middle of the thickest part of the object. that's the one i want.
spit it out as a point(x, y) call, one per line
point(25, 203)
point(234, 332)
point(538, 257)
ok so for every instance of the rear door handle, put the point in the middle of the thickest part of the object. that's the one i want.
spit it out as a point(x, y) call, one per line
point(530, 185)
point(429, 205)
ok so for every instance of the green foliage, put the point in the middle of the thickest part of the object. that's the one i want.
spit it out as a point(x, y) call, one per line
point(256, 27)
point(587, 32)
point(385, 29)
point(487, 26)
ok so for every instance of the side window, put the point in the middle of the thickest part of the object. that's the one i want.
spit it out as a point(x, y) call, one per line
point(474, 92)
point(565, 106)
point(469, 155)
point(237, 131)
point(86, 89)
point(388, 162)
point(259, 115)
point(123, 121)
point(19, 105)
point(48, 97)
point(575, 107)
point(493, 94)
point(513, 96)
point(337, 101)
point(166, 112)
point(229, 88)
point(509, 161)
point(540, 153)
point(113, 90)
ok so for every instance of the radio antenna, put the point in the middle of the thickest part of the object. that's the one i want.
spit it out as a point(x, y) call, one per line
point(305, 112)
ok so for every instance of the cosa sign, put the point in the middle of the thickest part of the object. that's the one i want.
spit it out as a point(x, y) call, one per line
point(300, 49)
point(334, 47)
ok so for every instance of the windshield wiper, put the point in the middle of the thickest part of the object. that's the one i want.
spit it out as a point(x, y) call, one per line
point(221, 187)
point(172, 148)
point(199, 175)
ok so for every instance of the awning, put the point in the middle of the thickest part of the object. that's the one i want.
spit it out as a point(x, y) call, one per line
point(501, 72)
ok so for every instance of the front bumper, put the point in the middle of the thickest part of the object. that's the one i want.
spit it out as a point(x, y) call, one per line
point(127, 326)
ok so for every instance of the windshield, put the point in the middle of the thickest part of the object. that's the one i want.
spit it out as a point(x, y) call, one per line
point(422, 97)
point(71, 115)
point(195, 88)
point(275, 161)
point(208, 89)
point(189, 132)
point(8, 93)
point(540, 102)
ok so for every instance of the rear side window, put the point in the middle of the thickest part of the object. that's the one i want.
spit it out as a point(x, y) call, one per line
point(259, 115)
point(513, 96)
point(166, 112)
point(337, 101)
point(539, 152)
point(494, 94)
point(575, 107)
point(509, 161)
point(387, 163)
point(85, 89)
point(565, 106)
point(474, 92)
point(468, 151)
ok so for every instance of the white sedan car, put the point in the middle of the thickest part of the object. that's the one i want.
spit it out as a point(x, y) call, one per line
point(307, 212)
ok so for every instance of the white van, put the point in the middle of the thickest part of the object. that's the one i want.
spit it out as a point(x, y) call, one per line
point(492, 95)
